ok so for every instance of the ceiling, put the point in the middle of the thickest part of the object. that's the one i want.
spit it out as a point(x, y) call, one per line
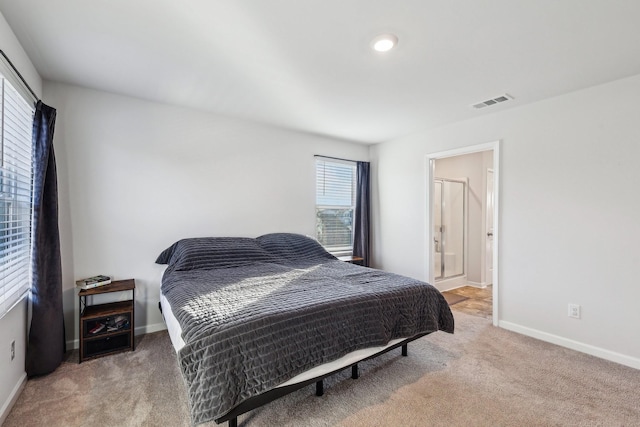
point(307, 64)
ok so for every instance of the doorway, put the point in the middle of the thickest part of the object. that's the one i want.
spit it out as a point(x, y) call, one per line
point(480, 227)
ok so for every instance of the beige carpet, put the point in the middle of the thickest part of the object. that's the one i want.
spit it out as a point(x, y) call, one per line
point(481, 376)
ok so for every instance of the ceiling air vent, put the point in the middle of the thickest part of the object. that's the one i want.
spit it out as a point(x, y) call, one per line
point(492, 101)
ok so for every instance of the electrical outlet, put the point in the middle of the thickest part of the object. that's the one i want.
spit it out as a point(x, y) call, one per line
point(13, 349)
point(574, 311)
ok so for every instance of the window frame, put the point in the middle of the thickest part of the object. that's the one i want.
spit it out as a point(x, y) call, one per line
point(336, 250)
point(16, 190)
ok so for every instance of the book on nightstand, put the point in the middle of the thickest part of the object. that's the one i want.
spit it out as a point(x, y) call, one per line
point(93, 282)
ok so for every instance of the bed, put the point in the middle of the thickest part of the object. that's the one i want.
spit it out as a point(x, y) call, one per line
point(254, 319)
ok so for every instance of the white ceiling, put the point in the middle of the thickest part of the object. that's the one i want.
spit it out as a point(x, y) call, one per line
point(307, 64)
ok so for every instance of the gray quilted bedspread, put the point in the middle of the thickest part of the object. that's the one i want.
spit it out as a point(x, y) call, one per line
point(252, 327)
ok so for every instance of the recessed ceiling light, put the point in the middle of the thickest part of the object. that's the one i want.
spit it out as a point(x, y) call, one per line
point(384, 42)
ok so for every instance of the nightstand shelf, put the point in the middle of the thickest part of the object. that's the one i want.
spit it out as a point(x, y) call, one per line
point(106, 328)
point(351, 259)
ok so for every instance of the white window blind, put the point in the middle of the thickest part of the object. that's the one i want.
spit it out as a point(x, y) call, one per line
point(335, 204)
point(16, 121)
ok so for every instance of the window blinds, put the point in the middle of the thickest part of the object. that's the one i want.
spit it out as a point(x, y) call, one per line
point(16, 121)
point(335, 203)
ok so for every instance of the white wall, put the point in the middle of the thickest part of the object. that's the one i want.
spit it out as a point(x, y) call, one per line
point(569, 228)
point(135, 176)
point(11, 47)
point(13, 326)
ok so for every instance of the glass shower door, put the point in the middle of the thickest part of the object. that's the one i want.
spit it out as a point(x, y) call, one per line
point(453, 220)
point(449, 228)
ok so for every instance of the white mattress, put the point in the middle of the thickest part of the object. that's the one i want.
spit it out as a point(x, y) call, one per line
point(175, 333)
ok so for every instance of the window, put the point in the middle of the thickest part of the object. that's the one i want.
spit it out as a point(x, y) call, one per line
point(335, 204)
point(16, 121)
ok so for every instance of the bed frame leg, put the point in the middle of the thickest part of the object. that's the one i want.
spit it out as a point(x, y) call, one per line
point(354, 372)
point(233, 422)
point(319, 388)
point(405, 352)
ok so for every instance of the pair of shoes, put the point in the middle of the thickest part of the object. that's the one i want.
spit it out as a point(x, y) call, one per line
point(98, 328)
point(117, 323)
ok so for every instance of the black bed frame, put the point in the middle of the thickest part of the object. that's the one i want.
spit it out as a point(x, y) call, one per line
point(276, 393)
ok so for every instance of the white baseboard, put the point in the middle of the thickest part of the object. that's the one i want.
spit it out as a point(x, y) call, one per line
point(148, 329)
point(449, 284)
point(140, 330)
point(13, 397)
point(573, 345)
point(477, 284)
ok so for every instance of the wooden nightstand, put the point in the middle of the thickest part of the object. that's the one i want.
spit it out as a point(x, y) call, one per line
point(351, 259)
point(107, 328)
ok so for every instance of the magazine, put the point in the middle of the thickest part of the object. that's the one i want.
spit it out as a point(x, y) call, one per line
point(93, 282)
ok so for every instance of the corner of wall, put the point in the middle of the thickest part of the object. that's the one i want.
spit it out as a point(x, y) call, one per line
point(13, 328)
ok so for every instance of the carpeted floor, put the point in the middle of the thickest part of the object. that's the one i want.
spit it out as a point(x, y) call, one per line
point(480, 376)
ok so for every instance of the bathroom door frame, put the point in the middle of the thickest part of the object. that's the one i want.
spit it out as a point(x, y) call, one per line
point(487, 267)
point(430, 175)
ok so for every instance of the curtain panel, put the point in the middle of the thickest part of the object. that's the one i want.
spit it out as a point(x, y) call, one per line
point(361, 245)
point(46, 344)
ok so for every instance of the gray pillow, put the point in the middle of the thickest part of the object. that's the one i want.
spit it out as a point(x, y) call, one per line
point(292, 247)
point(213, 252)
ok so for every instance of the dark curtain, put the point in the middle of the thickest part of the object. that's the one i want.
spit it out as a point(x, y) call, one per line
point(46, 345)
point(363, 207)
